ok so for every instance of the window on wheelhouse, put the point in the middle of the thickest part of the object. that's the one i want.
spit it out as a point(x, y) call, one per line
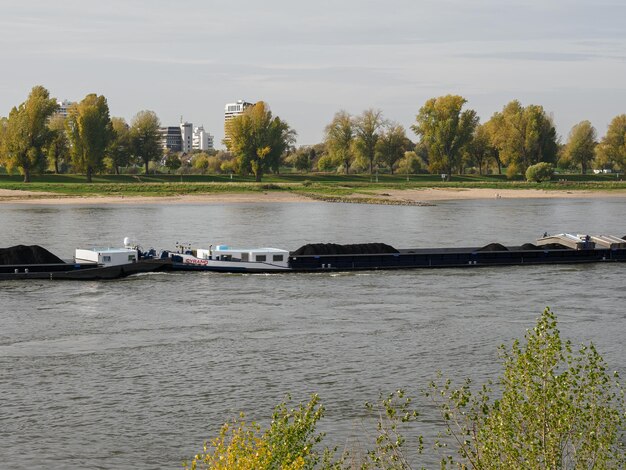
point(277, 258)
point(261, 257)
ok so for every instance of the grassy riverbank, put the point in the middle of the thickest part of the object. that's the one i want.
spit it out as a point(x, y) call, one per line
point(323, 186)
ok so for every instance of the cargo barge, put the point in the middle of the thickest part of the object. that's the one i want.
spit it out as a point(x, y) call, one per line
point(34, 262)
point(555, 249)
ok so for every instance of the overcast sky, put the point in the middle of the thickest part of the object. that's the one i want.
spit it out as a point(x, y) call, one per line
point(310, 59)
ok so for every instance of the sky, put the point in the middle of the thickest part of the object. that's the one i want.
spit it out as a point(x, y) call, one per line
point(309, 60)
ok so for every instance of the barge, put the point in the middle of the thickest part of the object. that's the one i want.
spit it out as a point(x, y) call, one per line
point(549, 249)
point(34, 262)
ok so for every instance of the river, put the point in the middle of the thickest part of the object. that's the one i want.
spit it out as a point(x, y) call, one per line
point(136, 373)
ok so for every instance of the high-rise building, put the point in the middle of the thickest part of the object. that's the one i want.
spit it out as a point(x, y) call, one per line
point(171, 138)
point(231, 110)
point(202, 140)
point(186, 135)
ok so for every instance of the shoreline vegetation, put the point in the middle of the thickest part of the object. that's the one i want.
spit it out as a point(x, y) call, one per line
point(419, 190)
point(544, 383)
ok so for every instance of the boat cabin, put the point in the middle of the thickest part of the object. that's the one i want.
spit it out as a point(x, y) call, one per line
point(256, 255)
point(107, 256)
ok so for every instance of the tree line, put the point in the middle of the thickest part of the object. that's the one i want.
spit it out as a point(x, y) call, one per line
point(35, 137)
point(450, 139)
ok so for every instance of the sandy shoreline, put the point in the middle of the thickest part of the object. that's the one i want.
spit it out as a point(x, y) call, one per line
point(8, 196)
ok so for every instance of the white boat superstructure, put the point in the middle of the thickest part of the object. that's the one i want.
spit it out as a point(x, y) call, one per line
point(582, 241)
point(227, 258)
point(108, 256)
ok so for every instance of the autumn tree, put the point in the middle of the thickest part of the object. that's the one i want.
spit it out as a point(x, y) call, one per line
point(119, 150)
point(339, 140)
point(391, 145)
point(58, 150)
point(145, 139)
point(27, 134)
point(258, 139)
point(445, 129)
point(3, 130)
point(523, 136)
point(479, 150)
point(612, 148)
point(580, 147)
point(90, 132)
point(367, 129)
point(302, 159)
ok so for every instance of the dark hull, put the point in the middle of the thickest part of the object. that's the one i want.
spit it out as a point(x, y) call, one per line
point(454, 258)
point(427, 258)
point(66, 271)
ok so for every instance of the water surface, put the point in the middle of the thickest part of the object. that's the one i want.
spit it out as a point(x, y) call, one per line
point(136, 373)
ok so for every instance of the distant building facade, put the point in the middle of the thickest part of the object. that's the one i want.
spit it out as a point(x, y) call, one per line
point(64, 107)
point(185, 138)
point(171, 138)
point(231, 110)
point(186, 135)
point(202, 140)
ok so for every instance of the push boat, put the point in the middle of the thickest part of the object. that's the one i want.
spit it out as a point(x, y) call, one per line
point(34, 262)
point(562, 248)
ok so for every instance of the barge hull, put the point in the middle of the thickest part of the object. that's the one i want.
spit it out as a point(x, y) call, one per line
point(453, 258)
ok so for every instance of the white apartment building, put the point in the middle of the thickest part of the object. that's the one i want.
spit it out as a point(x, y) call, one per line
point(234, 109)
point(186, 135)
point(202, 140)
point(64, 107)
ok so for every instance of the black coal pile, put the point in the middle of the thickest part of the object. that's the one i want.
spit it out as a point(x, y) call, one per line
point(23, 254)
point(335, 249)
point(529, 246)
point(493, 247)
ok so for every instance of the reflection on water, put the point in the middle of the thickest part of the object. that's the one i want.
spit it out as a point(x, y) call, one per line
point(138, 372)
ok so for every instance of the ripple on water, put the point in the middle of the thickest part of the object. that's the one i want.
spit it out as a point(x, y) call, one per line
point(153, 364)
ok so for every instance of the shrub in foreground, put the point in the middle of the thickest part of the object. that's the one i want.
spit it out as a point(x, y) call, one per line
point(552, 408)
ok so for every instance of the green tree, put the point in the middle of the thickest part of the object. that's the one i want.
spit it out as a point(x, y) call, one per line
point(302, 159)
point(391, 145)
point(58, 150)
point(410, 164)
point(367, 128)
point(172, 161)
point(611, 151)
point(445, 130)
point(523, 136)
point(479, 150)
point(553, 409)
point(339, 140)
point(258, 139)
point(580, 147)
point(90, 132)
point(539, 172)
point(27, 134)
point(326, 163)
point(3, 130)
point(119, 150)
point(145, 138)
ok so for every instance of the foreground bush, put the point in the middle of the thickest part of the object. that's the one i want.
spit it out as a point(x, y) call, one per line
point(552, 408)
point(540, 172)
point(288, 444)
